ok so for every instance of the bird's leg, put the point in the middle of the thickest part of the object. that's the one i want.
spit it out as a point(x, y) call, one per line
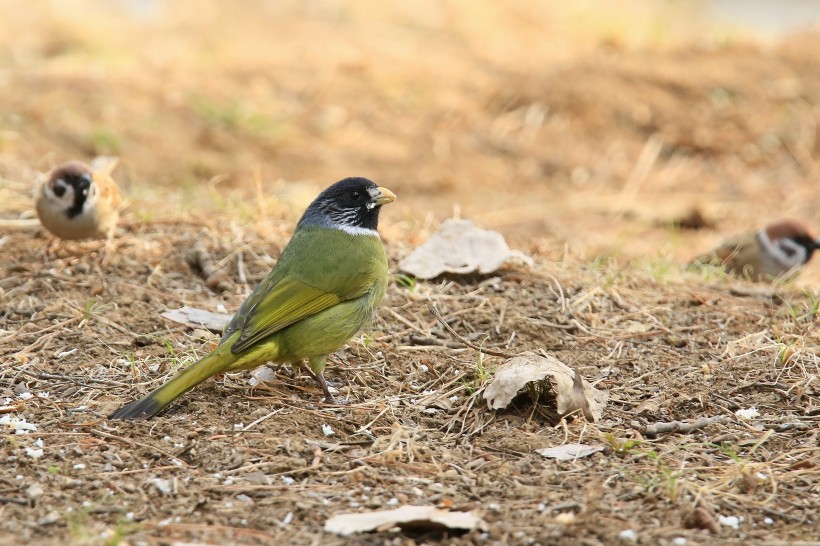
point(317, 366)
point(50, 249)
point(106, 250)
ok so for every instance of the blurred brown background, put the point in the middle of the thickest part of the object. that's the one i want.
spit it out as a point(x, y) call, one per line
point(579, 132)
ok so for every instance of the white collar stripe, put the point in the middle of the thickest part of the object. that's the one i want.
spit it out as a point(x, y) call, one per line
point(356, 230)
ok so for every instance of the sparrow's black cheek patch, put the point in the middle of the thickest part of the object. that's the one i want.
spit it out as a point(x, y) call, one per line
point(809, 244)
point(77, 207)
point(59, 190)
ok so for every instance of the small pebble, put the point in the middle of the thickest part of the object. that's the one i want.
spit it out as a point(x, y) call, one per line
point(729, 521)
point(49, 519)
point(628, 535)
point(34, 491)
point(142, 341)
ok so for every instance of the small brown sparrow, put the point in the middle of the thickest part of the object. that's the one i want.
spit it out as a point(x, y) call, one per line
point(777, 250)
point(78, 201)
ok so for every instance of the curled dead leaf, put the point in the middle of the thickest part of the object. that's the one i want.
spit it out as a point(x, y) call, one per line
point(198, 318)
point(262, 375)
point(572, 392)
point(459, 246)
point(569, 452)
point(650, 405)
point(415, 517)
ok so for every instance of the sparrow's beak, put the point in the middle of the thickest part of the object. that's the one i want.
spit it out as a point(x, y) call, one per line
point(383, 196)
point(85, 183)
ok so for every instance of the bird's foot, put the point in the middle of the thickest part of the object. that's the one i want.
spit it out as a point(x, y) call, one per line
point(49, 250)
point(108, 249)
point(331, 401)
point(320, 380)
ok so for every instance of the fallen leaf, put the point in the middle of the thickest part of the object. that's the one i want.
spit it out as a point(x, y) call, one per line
point(15, 406)
point(262, 375)
point(569, 452)
point(415, 517)
point(749, 342)
point(198, 318)
point(459, 246)
point(650, 405)
point(637, 328)
point(572, 392)
point(578, 399)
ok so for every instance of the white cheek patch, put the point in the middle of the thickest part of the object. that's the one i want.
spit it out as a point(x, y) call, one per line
point(91, 198)
point(67, 191)
point(786, 252)
point(795, 252)
point(371, 205)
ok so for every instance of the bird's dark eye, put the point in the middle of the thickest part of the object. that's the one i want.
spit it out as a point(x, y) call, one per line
point(354, 195)
point(788, 250)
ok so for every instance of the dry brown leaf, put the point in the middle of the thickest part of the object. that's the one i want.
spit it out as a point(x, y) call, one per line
point(424, 517)
point(459, 246)
point(572, 392)
point(650, 405)
point(263, 375)
point(198, 318)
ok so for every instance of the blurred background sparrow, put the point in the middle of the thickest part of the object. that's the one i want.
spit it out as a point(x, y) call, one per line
point(777, 250)
point(79, 201)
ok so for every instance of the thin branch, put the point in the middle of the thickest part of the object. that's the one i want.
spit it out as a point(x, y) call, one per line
point(653, 430)
point(78, 380)
point(132, 443)
point(466, 342)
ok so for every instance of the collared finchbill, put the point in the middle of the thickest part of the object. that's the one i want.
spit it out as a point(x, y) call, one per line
point(329, 280)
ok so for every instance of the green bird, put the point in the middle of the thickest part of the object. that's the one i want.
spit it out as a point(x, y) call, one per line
point(329, 280)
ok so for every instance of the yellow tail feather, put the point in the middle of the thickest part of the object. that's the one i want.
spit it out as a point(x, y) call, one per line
point(218, 360)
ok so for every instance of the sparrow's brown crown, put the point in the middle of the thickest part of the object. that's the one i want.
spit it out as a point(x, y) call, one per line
point(789, 229)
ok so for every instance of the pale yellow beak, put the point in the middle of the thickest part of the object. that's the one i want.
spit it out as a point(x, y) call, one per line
point(384, 196)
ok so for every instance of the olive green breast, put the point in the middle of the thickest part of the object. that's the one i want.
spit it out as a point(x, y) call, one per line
point(351, 267)
point(355, 268)
point(334, 261)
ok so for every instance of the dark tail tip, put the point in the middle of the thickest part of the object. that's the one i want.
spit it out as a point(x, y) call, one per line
point(144, 408)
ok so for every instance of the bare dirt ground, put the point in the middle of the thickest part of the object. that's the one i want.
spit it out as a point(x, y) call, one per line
point(582, 155)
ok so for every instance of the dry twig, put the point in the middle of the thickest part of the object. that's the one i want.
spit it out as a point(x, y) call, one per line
point(466, 342)
point(655, 429)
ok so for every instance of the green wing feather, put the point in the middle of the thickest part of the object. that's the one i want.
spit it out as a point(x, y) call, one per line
point(286, 303)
